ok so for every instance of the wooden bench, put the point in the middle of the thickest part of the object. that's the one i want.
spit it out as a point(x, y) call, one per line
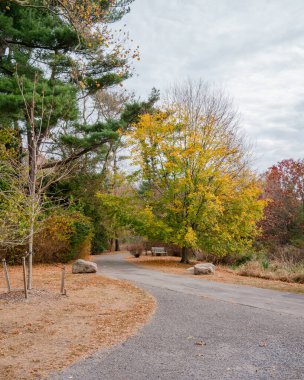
point(158, 251)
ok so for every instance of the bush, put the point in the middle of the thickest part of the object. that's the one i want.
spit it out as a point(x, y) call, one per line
point(100, 240)
point(13, 255)
point(136, 249)
point(287, 254)
point(234, 260)
point(64, 236)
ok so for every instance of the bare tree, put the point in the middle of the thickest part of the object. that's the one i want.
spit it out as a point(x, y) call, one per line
point(38, 179)
point(212, 112)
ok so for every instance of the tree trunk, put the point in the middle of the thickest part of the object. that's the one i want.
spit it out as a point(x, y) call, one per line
point(31, 231)
point(111, 244)
point(32, 197)
point(3, 47)
point(30, 266)
point(116, 245)
point(185, 259)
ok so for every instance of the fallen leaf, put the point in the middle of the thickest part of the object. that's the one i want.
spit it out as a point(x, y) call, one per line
point(200, 343)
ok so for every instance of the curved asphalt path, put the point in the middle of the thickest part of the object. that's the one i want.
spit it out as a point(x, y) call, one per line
point(202, 330)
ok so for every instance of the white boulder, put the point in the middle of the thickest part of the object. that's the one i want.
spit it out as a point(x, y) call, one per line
point(83, 266)
point(207, 268)
point(190, 270)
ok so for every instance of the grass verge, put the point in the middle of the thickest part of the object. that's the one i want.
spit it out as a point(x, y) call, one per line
point(223, 274)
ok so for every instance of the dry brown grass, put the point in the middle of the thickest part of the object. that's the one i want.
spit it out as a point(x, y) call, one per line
point(275, 271)
point(223, 274)
point(49, 332)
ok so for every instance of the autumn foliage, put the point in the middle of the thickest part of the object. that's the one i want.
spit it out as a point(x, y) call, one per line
point(198, 190)
point(283, 221)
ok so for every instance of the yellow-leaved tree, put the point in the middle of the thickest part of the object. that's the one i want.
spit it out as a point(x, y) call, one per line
point(194, 172)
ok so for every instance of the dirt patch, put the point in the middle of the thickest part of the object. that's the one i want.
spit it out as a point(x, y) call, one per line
point(172, 265)
point(48, 331)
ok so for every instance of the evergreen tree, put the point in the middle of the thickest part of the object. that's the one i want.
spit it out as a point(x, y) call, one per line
point(59, 57)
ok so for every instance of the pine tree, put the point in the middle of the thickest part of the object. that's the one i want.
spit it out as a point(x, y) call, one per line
point(41, 46)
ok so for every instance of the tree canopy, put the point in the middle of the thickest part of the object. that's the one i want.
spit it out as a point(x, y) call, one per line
point(284, 215)
point(63, 52)
point(194, 173)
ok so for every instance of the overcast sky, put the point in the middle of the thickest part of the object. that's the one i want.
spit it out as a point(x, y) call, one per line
point(254, 49)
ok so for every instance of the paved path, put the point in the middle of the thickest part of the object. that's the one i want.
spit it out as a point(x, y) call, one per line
point(244, 332)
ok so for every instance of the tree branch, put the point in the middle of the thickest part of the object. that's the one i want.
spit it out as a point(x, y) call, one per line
point(74, 156)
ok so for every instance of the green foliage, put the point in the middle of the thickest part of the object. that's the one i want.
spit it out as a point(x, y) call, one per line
point(116, 214)
point(66, 236)
point(14, 217)
point(63, 236)
point(100, 240)
point(198, 194)
point(52, 54)
point(265, 263)
point(36, 36)
point(82, 230)
point(79, 192)
point(59, 52)
point(15, 210)
point(148, 224)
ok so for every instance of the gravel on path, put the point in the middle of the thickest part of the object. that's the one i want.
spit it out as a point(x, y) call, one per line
point(196, 336)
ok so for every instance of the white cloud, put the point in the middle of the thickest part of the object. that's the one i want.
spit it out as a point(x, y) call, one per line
point(253, 49)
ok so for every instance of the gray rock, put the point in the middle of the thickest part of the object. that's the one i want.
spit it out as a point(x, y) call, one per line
point(207, 268)
point(82, 266)
point(190, 270)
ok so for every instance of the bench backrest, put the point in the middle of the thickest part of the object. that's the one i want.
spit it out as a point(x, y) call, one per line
point(158, 249)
